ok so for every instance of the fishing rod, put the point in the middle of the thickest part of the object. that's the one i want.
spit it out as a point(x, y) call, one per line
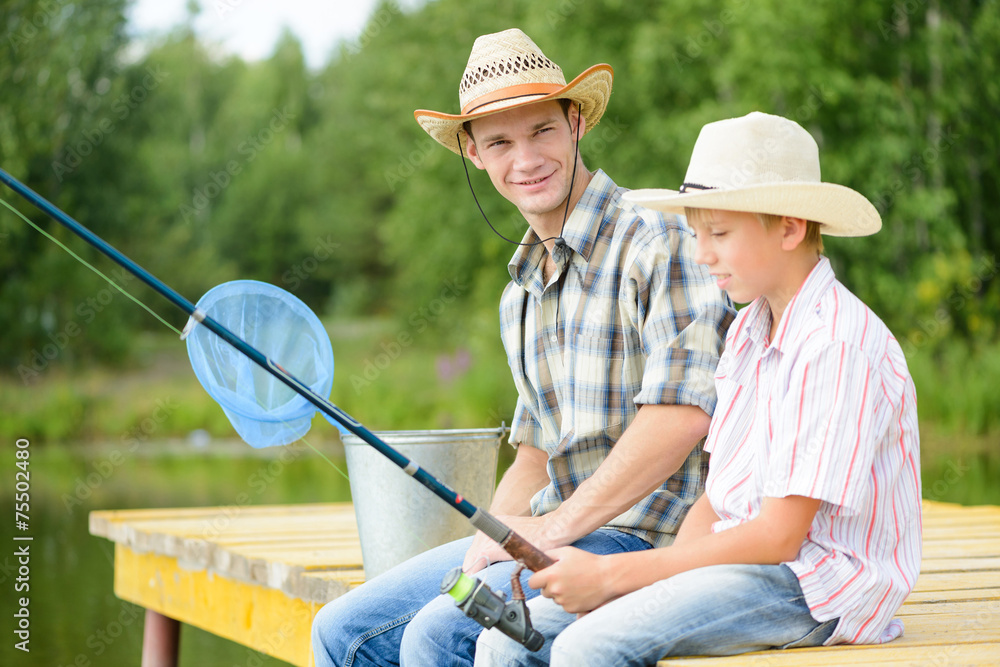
point(520, 549)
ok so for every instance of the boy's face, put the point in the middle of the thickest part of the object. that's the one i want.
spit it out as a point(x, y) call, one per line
point(744, 258)
point(528, 153)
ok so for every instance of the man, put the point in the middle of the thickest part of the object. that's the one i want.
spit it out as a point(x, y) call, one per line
point(612, 333)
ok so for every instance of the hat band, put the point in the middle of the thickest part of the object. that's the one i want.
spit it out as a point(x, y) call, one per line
point(511, 92)
point(694, 186)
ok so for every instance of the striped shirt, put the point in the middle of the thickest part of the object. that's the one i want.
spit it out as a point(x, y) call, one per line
point(827, 411)
point(626, 319)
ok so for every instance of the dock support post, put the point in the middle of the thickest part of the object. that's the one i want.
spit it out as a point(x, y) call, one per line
point(160, 640)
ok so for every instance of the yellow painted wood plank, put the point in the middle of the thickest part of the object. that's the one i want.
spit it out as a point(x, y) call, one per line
point(304, 557)
point(955, 596)
point(986, 654)
point(283, 510)
point(245, 528)
point(291, 550)
point(323, 537)
point(350, 578)
point(286, 536)
point(263, 619)
point(241, 566)
point(217, 520)
point(962, 515)
point(959, 564)
point(222, 525)
point(966, 607)
point(289, 544)
point(174, 513)
point(953, 628)
point(965, 512)
point(946, 581)
point(969, 517)
point(956, 531)
point(968, 548)
point(937, 508)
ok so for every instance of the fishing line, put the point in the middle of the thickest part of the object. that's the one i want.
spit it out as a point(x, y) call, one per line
point(136, 300)
point(89, 266)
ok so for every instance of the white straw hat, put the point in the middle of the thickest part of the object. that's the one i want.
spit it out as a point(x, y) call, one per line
point(763, 164)
point(507, 70)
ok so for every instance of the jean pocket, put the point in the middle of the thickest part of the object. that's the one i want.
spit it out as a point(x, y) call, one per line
point(816, 636)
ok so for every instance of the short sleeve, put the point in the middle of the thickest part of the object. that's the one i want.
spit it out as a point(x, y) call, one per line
point(682, 318)
point(524, 430)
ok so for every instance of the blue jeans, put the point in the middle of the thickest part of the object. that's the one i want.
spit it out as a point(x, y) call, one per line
point(401, 618)
point(717, 610)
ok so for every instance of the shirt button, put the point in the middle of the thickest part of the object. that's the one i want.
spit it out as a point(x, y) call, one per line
point(554, 339)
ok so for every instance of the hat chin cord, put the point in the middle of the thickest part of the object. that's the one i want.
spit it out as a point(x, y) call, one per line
point(576, 154)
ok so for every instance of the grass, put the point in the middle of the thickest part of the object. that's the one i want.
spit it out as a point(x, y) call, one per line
point(957, 387)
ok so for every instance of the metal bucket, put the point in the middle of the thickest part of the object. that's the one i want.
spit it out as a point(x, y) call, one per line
point(398, 517)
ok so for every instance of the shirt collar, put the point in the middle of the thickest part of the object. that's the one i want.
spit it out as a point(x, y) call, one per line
point(580, 233)
point(804, 304)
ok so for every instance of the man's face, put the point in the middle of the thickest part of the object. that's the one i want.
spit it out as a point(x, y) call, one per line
point(528, 153)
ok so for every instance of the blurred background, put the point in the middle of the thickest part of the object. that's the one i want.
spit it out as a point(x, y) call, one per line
point(209, 152)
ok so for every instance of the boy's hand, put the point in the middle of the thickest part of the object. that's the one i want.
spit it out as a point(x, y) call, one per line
point(578, 581)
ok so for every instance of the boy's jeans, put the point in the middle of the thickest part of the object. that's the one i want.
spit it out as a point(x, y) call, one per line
point(717, 610)
point(379, 624)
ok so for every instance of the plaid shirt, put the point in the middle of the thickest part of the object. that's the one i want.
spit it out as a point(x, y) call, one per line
point(627, 319)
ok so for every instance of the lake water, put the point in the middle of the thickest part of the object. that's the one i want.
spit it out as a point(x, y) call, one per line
point(75, 618)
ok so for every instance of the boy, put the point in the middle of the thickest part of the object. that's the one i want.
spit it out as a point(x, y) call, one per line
point(809, 531)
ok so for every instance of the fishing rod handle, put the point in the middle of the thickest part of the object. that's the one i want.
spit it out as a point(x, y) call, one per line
point(519, 548)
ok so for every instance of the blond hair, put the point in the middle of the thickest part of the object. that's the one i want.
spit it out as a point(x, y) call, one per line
point(813, 237)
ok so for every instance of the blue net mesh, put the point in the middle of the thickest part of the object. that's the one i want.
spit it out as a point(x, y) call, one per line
point(263, 410)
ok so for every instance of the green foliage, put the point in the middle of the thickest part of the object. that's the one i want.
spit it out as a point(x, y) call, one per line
point(55, 59)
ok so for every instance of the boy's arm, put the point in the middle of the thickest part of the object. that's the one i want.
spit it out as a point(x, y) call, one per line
point(580, 581)
point(697, 522)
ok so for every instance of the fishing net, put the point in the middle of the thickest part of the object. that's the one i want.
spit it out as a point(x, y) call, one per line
point(264, 411)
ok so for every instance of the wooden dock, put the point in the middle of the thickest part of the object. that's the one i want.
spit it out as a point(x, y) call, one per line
point(258, 574)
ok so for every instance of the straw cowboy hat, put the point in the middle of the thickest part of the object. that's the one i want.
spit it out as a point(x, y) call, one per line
point(507, 70)
point(763, 164)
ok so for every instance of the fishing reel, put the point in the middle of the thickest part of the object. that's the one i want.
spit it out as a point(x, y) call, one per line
point(490, 609)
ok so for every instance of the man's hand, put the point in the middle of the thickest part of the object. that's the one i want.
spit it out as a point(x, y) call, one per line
point(484, 551)
point(512, 505)
point(578, 581)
